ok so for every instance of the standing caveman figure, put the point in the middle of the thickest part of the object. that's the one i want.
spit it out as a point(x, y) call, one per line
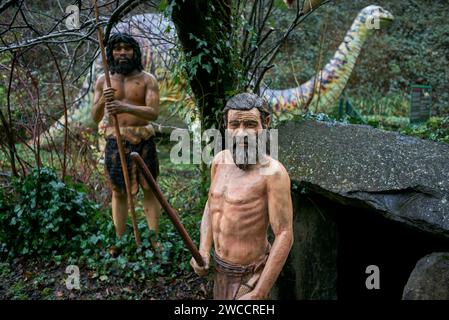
point(244, 199)
point(134, 99)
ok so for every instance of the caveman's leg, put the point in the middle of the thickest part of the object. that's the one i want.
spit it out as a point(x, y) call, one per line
point(117, 184)
point(119, 212)
point(152, 210)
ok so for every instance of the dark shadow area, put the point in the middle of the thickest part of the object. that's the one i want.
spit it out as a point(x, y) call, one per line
point(367, 238)
point(335, 243)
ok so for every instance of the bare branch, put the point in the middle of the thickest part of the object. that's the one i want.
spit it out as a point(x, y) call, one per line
point(7, 4)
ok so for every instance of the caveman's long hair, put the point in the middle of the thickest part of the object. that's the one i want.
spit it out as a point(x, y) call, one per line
point(125, 38)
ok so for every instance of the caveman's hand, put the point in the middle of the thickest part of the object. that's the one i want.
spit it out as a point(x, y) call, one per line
point(116, 107)
point(201, 271)
point(108, 94)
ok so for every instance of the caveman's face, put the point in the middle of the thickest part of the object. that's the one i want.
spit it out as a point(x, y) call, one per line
point(122, 53)
point(243, 127)
point(244, 122)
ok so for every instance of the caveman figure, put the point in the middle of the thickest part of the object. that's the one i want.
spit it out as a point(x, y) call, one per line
point(244, 199)
point(134, 98)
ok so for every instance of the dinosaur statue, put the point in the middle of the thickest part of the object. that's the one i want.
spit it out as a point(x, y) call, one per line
point(323, 89)
point(320, 91)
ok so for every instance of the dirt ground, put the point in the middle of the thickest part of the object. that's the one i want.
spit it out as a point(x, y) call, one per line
point(26, 280)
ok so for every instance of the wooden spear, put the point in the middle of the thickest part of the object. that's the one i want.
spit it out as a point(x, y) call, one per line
point(168, 208)
point(117, 130)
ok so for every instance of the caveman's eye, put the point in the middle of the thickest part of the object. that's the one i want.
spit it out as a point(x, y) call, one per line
point(233, 124)
point(251, 124)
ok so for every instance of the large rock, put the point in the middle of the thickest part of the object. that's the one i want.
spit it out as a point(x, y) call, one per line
point(430, 279)
point(403, 178)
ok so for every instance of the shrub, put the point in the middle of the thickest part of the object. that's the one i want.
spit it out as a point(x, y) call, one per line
point(43, 216)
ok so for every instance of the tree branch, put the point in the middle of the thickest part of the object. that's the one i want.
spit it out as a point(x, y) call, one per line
point(6, 5)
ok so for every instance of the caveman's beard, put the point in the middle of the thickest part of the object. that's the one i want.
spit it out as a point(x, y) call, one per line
point(245, 156)
point(124, 68)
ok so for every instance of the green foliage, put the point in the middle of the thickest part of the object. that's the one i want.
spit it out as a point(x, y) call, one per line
point(136, 263)
point(390, 104)
point(388, 122)
point(435, 129)
point(43, 216)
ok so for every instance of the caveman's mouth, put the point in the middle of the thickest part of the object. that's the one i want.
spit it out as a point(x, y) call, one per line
point(123, 60)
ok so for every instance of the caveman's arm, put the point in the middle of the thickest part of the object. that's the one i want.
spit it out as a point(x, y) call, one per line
point(280, 213)
point(97, 112)
point(205, 244)
point(150, 111)
point(206, 239)
point(206, 236)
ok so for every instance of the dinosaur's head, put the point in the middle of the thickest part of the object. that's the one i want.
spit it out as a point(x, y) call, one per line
point(375, 17)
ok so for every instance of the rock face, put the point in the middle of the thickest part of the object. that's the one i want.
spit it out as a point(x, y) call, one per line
point(430, 279)
point(406, 179)
point(378, 198)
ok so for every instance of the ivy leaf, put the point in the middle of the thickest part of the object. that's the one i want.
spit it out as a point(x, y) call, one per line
point(207, 67)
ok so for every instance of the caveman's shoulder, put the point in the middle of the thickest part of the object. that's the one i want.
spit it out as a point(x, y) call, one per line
point(101, 77)
point(223, 157)
point(149, 77)
point(100, 81)
point(275, 170)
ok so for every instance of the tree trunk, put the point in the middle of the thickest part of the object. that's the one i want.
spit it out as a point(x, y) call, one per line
point(205, 32)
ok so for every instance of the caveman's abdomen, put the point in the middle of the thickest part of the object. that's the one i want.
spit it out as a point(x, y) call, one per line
point(239, 222)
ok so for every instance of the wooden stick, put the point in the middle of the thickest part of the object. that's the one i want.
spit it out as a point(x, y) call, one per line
point(168, 208)
point(117, 132)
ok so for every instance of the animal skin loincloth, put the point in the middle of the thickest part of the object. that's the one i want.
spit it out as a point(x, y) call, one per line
point(232, 281)
point(132, 134)
point(135, 139)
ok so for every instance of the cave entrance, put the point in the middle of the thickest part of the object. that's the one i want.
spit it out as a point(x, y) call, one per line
point(366, 238)
point(334, 244)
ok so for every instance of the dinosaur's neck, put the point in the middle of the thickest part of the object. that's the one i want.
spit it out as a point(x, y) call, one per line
point(329, 83)
point(344, 59)
point(332, 79)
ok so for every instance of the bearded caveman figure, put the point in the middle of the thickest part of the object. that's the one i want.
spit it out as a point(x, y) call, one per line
point(244, 199)
point(134, 98)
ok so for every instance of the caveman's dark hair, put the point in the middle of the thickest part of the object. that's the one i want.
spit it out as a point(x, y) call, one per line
point(247, 101)
point(125, 38)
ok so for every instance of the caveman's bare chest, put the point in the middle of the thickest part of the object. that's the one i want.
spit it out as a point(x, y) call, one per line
point(129, 89)
point(237, 187)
